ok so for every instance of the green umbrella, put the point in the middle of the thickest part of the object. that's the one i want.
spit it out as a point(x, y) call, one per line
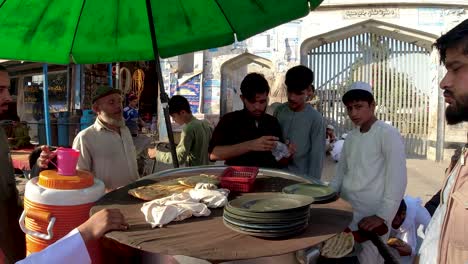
point(103, 31)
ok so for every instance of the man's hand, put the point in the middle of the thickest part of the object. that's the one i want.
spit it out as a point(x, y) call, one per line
point(152, 152)
point(45, 157)
point(101, 223)
point(403, 249)
point(265, 143)
point(370, 223)
point(292, 148)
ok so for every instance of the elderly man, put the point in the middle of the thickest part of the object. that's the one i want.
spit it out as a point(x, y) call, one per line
point(12, 244)
point(446, 237)
point(106, 148)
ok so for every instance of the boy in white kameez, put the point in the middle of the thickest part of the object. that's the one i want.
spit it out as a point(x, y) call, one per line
point(371, 173)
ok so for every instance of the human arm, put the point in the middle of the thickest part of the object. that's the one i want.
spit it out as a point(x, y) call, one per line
point(317, 147)
point(403, 248)
point(393, 151)
point(102, 222)
point(223, 145)
point(71, 249)
point(182, 149)
point(265, 143)
point(45, 157)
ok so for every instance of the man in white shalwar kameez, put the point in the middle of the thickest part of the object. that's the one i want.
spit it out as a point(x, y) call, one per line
point(371, 173)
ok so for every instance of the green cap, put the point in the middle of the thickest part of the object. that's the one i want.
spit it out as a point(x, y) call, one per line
point(102, 91)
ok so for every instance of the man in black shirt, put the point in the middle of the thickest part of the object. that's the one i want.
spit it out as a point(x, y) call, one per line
point(247, 137)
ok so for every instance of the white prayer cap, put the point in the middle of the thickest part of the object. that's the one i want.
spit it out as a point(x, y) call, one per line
point(360, 86)
point(331, 127)
point(344, 136)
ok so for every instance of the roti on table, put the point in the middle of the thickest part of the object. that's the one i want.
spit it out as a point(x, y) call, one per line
point(169, 187)
point(396, 242)
point(202, 178)
point(338, 246)
point(156, 191)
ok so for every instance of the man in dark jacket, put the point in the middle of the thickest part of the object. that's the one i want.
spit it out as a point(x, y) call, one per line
point(12, 240)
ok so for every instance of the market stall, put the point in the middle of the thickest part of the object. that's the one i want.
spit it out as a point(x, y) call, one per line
point(207, 238)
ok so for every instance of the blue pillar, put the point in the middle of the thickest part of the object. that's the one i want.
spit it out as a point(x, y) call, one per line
point(110, 74)
point(45, 91)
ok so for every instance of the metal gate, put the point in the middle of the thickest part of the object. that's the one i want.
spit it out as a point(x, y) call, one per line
point(399, 73)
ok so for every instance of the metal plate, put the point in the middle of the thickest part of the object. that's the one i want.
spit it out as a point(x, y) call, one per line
point(317, 191)
point(263, 226)
point(266, 234)
point(271, 202)
point(267, 219)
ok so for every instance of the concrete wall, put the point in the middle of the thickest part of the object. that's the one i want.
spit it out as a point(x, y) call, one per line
point(410, 20)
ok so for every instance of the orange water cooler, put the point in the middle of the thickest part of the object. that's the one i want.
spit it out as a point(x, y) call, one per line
point(55, 204)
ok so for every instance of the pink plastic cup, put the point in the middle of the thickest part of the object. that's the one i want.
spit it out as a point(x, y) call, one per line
point(67, 158)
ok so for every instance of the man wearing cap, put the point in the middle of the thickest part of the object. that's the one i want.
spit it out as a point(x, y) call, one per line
point(330, 138)
point(371, 173)
point(106, 148)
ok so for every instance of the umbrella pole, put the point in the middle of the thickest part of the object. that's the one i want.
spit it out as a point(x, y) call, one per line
point(109, 74)
point(164, 98)
point(45, 93)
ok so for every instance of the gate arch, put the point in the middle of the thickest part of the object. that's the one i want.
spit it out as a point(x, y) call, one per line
point(396, 62)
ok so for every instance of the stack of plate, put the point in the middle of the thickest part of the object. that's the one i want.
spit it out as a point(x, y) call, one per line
point(269, 215)
point(320, 193)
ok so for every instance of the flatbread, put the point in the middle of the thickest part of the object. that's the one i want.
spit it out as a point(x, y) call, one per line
point(396, 242)
point(338, 246)
point(156, 191)
point(202, 178)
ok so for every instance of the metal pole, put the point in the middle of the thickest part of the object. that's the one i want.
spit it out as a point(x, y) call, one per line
point(117, 75)
point(45, 90)
point(440, 126)
point(109, 74)
point(164, 98)
point(77, 84)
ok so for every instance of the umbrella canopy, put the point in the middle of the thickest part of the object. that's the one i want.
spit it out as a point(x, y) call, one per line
point(102, 31)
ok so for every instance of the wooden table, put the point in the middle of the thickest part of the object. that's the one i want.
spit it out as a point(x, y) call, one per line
point(206, 237)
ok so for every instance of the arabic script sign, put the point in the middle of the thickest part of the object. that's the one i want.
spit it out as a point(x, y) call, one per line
point(371, 13)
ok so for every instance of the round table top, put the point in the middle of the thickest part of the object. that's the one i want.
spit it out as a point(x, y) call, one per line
point(207, 237)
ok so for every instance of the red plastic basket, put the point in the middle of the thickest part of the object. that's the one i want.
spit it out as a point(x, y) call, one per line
point(239, 179)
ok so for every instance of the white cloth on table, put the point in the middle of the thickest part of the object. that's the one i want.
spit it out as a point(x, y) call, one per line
point(70, 249)
point(178, 207)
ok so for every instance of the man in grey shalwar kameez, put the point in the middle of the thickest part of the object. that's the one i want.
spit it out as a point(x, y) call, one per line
point(302, 125)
